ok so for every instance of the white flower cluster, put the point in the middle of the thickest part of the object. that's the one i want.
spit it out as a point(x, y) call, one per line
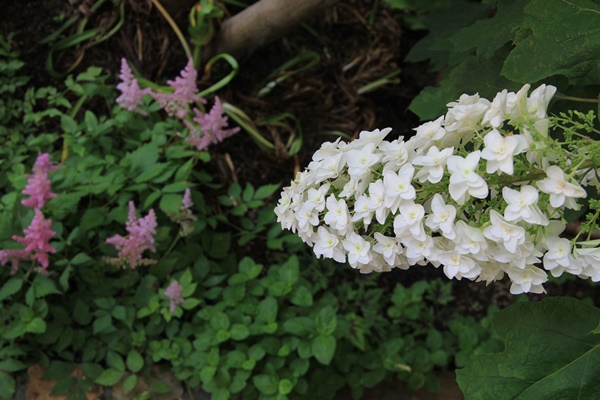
point(478, 191)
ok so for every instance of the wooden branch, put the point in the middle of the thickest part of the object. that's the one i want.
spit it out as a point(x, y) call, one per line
point(262, 23)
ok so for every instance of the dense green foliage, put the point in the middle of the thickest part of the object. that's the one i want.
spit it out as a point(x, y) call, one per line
point(284, 326)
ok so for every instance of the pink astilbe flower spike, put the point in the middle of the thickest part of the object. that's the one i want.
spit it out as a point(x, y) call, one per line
point(173, 292)
point(185, 91)
point(211, 125)
point(12, 256)
point(131, 93)
point(36, 242)
point(185, 214)
point(140, 238)
point(38, 186)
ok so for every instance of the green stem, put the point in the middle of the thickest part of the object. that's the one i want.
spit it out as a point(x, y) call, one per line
point(72, 114)
point(171, 247)
point(580, 99)
point(174, 26)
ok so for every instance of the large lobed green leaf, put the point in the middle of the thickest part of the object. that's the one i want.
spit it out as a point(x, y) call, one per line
point(525, 41)
point(550, 353)
point(563, 39)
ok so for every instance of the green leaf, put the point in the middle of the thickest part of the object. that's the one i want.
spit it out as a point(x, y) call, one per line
point(115, 361)
point(12, 286)
point(285, 386)
point(560, 38)
point(326, 321)
point(267, 310)
point(301, 296)
point(102, 324)
point(161, 387)
point(299, 326)
point(486, 36)
point(290, 271)
point(36, 325)
point(473, 75)
point(550, 353)
point(323, 348)
point(183, 173)
point(68, 124)
point(248, 193)
point(265, 191)
point(11, 365)
point(170, 203)
point(151, 173)
point(44, 286)
point(135, 362)
point(143, 159)
point(80, 258)
point(220, 321)
point(119, 312)
point(266, 384)
point(239, 332)
point(110, 377)
point(186, 278)
point(130, 383)
point(249, 268)
point(7, 386)
point(175, 187)
point(151, 198)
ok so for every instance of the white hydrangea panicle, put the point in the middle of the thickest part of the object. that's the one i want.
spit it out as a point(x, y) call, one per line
point(499, 151)
point(590, 178)
point(490, 271)
point(471, 240)
point(523, 205)
point(559, 257)
point(327, 244)
point(357, 249)
point(337, 215)
point(538, 101)
point(409, 222)
point(496, 114)
point(588, 255)
point(398, 188)
point(459, 266)
point(480, 191)
point(427, 135)
point(464, 180)
point(362, 212)
point(417, 250)
point(466, 114)
point(377, 200)
point(394, 154)
point(361, 159)
point(560, 190)
point(432, 164)
point(516, 105)
point(441, 218)
point(389, 248)
point(504, 233)
point(527, 280)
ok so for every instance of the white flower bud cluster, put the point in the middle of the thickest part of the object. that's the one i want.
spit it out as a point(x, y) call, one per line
point(477, 191)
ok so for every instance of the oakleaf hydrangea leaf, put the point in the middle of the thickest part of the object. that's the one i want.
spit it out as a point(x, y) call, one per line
point(486, 36)
point(550, 353)
point(563, 39)
point(473, 75)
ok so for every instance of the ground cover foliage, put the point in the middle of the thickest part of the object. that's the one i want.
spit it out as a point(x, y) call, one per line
point(143, 250)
